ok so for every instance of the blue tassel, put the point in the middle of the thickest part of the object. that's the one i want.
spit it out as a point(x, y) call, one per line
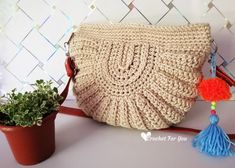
point(213, 140)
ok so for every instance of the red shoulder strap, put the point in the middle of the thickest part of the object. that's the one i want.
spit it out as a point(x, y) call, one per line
point(80, 113)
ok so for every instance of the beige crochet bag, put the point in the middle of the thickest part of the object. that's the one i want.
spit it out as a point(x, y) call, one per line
point(138, 76)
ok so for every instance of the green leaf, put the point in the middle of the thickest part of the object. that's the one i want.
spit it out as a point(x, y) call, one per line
point(29, 108)
point(39, 81)
point(55, 89)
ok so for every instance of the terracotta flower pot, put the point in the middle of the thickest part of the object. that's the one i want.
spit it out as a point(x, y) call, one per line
point(31, 145)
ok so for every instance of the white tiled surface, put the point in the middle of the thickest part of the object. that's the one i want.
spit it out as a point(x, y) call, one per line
point(6, 7)
point(224, 38)
point(173, 17)
point(215, 19)
point(9, 81)
point(153, 10)
point(113, 9)
point(32, 32)
point(96, 17)
point(135, 16)
point(38, 45)
point(18, 27)
point(75, 10)
point(37, 10)
point(17, 69)
point(39, 73)
point(8, 49)
point(227, 11)
point(54, 66)
point(193, 10)
point(55, 27)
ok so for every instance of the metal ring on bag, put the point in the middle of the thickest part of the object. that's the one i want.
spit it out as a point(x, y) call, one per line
point(66, 47)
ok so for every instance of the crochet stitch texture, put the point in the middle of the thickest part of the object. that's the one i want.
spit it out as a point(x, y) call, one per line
point(138, 76)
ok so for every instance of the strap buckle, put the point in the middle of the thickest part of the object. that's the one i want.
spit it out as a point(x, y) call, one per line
point(69, 64)
point(68, 67)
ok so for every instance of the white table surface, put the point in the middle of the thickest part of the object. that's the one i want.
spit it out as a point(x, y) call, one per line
point(84, 143)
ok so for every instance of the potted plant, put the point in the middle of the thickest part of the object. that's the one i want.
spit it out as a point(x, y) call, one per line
point(27, 120)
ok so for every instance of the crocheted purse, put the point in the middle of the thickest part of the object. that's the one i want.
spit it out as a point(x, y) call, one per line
point(138, 76)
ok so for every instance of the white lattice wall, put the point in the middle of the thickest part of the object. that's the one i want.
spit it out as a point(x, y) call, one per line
point(33, 31)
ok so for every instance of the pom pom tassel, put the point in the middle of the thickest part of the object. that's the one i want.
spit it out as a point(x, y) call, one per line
point(213, 140)
point(214, 89)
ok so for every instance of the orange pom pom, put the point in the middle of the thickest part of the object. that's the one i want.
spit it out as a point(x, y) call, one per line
point(214, 89)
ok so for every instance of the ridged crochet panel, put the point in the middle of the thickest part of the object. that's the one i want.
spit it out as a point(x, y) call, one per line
point(138, 76)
